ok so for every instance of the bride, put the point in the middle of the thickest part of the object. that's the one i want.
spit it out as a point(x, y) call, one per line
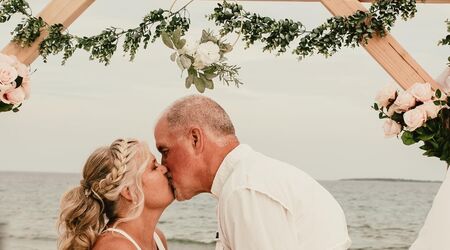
point(119, 201)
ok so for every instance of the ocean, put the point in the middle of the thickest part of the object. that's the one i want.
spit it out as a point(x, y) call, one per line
point(381, 214)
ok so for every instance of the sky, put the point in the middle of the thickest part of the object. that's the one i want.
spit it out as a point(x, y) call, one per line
point(314, 113)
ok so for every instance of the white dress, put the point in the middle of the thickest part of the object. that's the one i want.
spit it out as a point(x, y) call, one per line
point(158, 241)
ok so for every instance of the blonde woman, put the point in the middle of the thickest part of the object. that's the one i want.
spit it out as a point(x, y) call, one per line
point(118, 203)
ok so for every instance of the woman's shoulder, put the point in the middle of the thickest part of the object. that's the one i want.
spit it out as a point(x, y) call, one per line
point(110, 241)
point(162, 237)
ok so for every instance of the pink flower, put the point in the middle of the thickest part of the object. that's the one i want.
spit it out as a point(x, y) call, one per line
point(386, 95)
point(421, 91)
point(405, 101)
point(430, 108)
point(15, 96)
point(391, 128)
point(8, 73)
point(415, 118)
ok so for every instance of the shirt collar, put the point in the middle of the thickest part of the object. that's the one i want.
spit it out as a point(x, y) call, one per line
point(229, 163)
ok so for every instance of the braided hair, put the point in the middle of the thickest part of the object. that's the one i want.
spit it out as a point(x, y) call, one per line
point(86, 209)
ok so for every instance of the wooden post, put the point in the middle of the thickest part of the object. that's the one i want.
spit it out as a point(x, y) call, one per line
point(57, 11)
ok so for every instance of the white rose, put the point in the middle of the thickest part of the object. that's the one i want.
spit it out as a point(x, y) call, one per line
point(405, 101)
point(8, 73)
point(14, 96)
point(385, 94)
point(421, 91)
point(207, 54)
point(415, 118)
point(189, 48)
point(430, 108)
point(391, 128)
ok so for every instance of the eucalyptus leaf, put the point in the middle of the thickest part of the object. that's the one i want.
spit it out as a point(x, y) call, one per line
point(185, 62)
point(189, 81)
point(173, 57)
point(176, 36)
point(166, 40)
point(199, 84)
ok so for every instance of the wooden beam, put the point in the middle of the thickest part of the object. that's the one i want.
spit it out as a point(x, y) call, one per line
point(362, 1)
point(57, 11)
point(386, 50)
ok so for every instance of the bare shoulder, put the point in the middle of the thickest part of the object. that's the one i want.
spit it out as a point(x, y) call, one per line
point(162, 237)
point(111, 241)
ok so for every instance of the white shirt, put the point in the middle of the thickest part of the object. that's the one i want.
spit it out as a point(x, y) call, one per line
point(265, 204)
point(435, 233)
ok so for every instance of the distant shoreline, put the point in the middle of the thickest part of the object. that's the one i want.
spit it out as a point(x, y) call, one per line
point(388, 179)
point(344, 179)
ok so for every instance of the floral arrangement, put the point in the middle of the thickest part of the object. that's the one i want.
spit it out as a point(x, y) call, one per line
point(204, 59)
point(417, 114)
point(14, 83)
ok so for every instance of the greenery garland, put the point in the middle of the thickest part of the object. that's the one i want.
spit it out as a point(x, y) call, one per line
point(275, 35)
point(325, 39)
point(100, 47)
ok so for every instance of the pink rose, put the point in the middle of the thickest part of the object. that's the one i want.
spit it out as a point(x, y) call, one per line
point(405, 101)
point(8, 73)
point(392, 109)
point(431, 109)
point(391, 128)
point(415, 118)
point(386, 95)
point(421, 91)
point(14, 96)
point(11, 60)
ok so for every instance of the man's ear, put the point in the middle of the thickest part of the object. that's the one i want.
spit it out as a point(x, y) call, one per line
point(197, 139)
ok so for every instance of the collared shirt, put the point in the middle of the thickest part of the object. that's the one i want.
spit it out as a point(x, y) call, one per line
point(435, 233)
point(265, 204)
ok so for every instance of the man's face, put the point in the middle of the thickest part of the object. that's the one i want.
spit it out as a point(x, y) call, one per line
point(178, 156)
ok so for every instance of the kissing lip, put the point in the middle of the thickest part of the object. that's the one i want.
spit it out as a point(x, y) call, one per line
point(170, 182)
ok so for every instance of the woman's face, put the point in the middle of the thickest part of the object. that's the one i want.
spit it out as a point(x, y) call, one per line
point(157, 191)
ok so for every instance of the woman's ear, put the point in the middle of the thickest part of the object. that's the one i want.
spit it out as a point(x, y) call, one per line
point(126, 194)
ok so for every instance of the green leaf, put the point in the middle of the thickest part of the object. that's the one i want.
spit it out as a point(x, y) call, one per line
point(166, 40)
point(176, 35)
point(408, 138)
point(189, 81)
point(199, 84)
point(180, 44)
point(438, 93)
point(185, 62)
point(173, 57)
point(5, 107)
point(375, 106)
point(425, 137)
point(208, 82)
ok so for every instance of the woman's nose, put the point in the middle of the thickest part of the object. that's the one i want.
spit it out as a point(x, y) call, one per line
point(162, 168)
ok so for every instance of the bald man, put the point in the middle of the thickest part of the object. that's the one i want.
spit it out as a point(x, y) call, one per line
point(263, 203)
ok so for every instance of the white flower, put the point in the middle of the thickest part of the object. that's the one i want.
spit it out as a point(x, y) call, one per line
point(385, 95)
point(189, 48)
point(405, 101)
point(207, 54)
point(391, 128)
point(8, 73)
point(430, 108)
point(421, 91)
point(392, 109)
point(415, 118)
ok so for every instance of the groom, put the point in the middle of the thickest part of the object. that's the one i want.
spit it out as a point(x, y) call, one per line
point(263, 203)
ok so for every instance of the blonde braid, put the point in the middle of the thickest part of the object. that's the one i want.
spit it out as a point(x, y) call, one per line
point(104, 176)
